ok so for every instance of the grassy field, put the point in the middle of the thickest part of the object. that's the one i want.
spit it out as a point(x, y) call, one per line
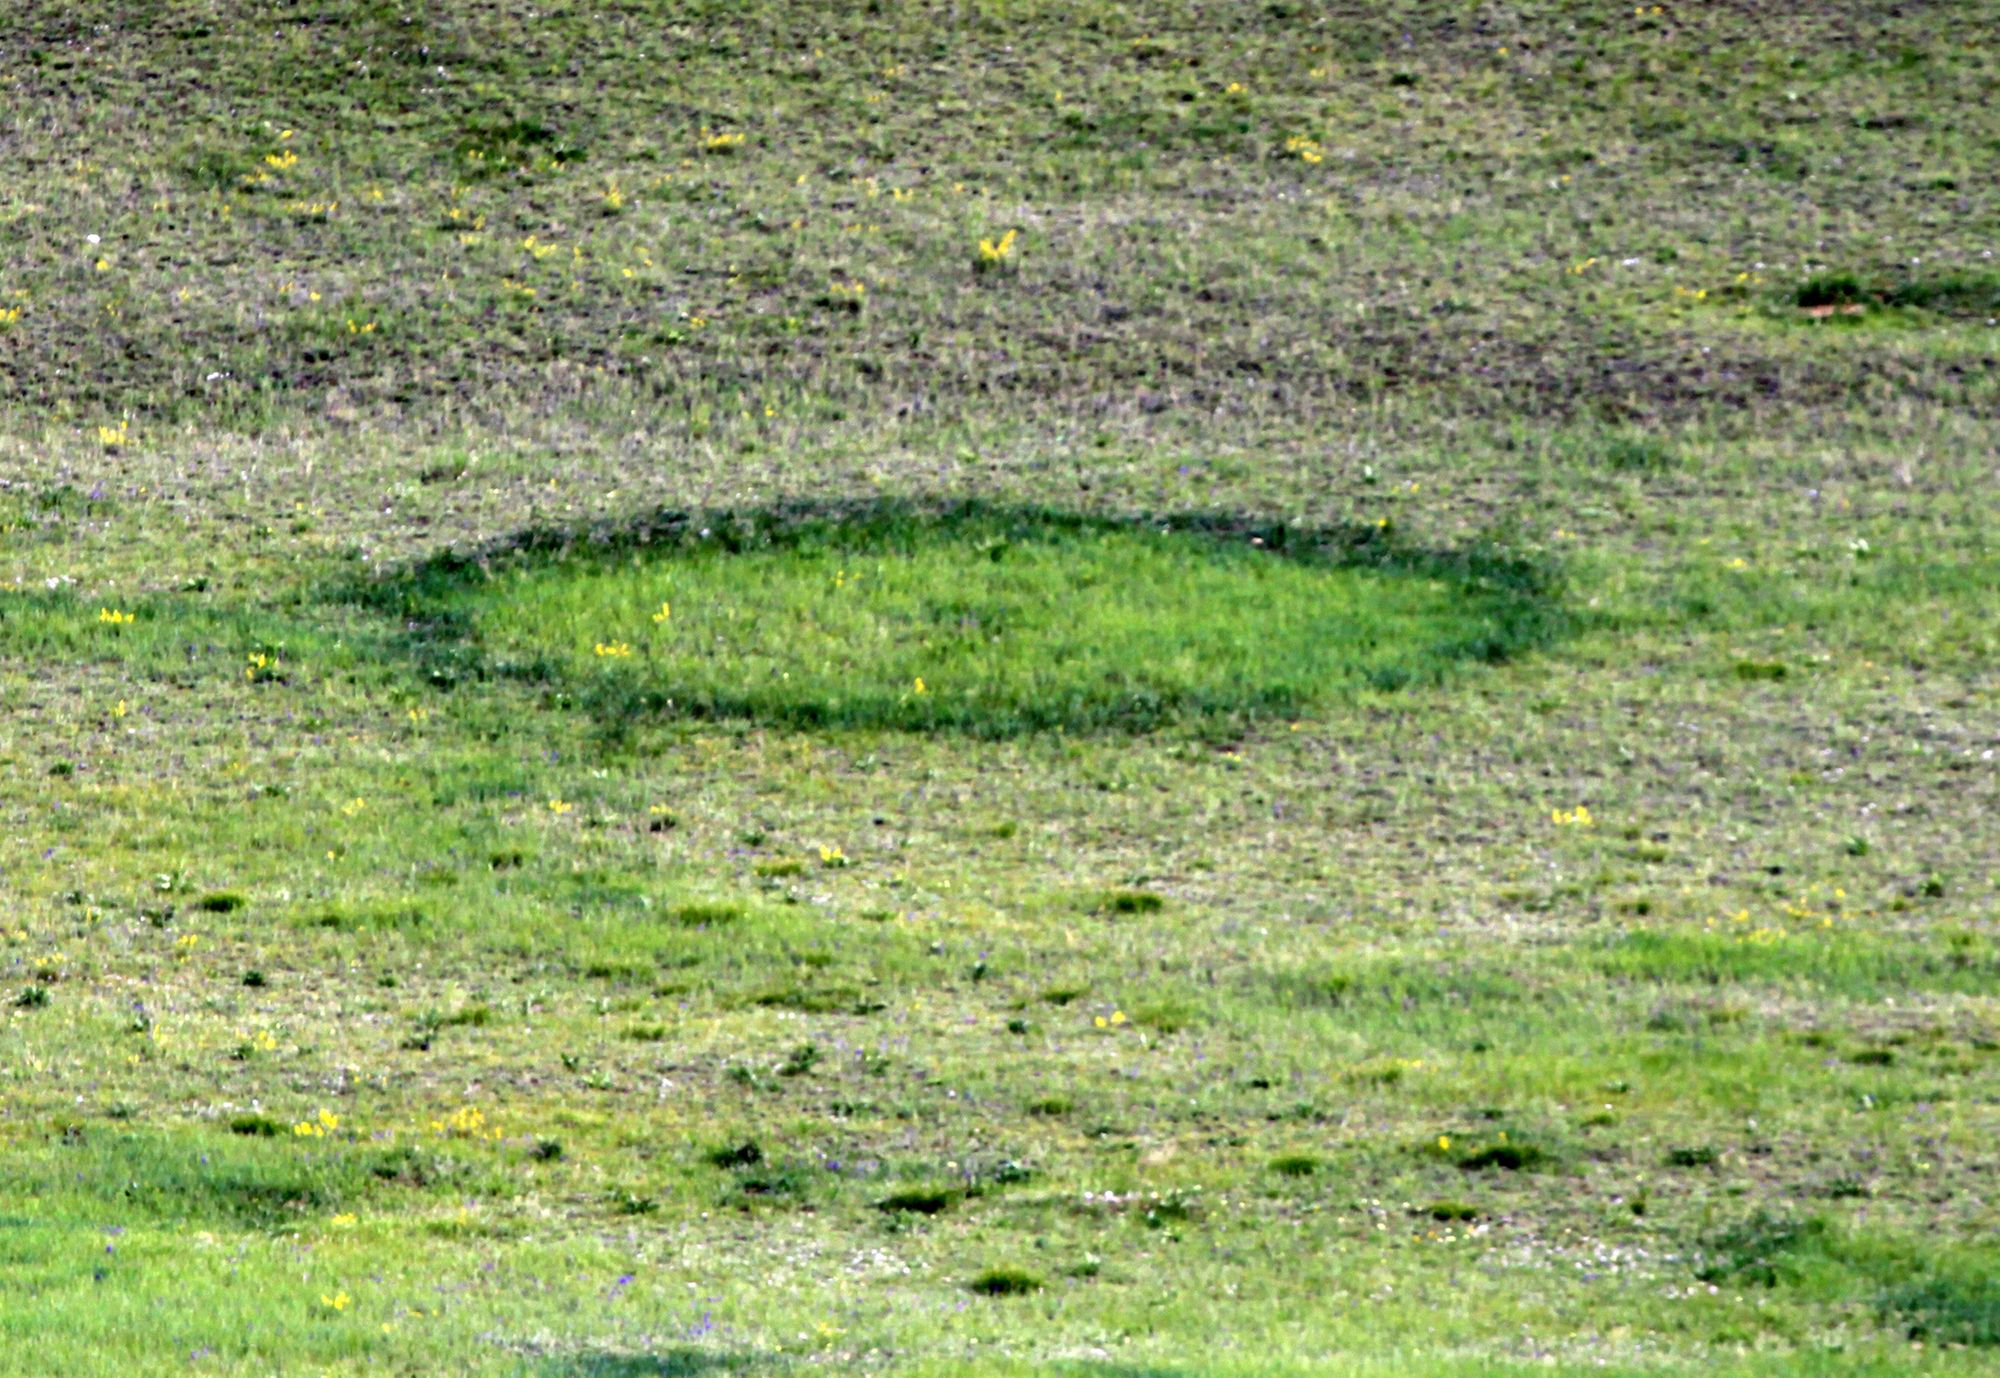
point(1124, 688)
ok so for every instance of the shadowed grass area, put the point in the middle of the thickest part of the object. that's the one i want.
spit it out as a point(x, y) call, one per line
point(1948, 1296)
point(973, 618)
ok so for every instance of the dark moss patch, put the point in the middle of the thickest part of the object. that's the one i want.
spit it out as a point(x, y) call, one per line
point(1697, 1156)
point(739, 1155)
point(256, 1126)
point(920, 1200)
point(1508, 1157)
point(1128, 902)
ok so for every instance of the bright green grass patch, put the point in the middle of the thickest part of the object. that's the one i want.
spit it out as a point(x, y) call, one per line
point(185, 638)
point(1852, 962)
point(985, 621)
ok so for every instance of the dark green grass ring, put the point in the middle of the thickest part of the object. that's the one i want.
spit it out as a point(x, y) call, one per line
point(976, 619)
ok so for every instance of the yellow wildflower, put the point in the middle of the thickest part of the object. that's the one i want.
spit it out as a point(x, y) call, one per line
point(998, 250)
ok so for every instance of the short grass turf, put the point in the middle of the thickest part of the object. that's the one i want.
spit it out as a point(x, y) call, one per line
point(1323, 697)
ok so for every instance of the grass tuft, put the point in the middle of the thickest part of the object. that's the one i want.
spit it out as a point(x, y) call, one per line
point(1006, 1282)
point(920, 1200)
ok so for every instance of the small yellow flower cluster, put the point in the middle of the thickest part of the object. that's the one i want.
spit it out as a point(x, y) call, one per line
point(260, 667)
point(1116, 1020)
point(613, 649)
point(832, 856)
point(282, 161)
point(317, 1128)
point(111, 437)
point(1578, 817)
point(666, 611)
point(1305, 148)
point(559, 807)
point(355, 327)
point(1799, 911)
point(114, 616)
point(338, 1301)
point(998, 250)
point(466, 1122)
point(720, 143)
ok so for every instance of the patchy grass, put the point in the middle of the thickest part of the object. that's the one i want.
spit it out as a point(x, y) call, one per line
point(1450, 556)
